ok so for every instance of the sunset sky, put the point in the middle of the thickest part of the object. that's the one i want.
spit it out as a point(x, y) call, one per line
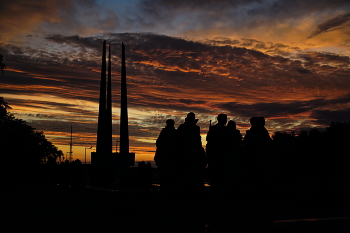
point(288, 61)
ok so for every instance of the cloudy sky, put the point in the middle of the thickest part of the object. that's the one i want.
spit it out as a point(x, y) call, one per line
point(288, 61)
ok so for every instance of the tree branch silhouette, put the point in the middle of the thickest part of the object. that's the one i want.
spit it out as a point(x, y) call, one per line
point(2, 64)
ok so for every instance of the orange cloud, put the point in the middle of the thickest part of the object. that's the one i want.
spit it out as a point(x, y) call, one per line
point(22, 17)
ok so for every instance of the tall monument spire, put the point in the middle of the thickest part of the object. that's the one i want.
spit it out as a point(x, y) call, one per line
point(124, 131)
point(101, 127)
point(109, 107)
point(103, 160)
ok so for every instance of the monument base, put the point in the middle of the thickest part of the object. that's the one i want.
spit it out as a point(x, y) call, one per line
point(110, 169)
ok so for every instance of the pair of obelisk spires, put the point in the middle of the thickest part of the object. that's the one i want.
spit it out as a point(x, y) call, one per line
point(104, 130)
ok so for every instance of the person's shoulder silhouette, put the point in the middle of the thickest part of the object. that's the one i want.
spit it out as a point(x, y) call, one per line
point(257, 135)
point(191, 153)
point(218, 132)
point(166, 143)
point(264, 132)
point(234, 134)
point(189, 131)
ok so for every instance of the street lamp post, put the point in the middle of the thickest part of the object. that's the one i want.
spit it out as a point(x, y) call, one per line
point(85, 152)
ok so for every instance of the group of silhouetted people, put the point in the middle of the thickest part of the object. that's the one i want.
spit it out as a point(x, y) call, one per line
point(228, 161)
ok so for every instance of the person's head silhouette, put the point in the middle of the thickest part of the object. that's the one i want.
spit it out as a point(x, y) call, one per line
point(231, 124)
point(254, 121)
point(191, 118)
point(170, 123)
point(261, 121)
point(222, 119)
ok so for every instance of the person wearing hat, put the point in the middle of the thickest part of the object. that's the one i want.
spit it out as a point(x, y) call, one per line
point(257, 142)
point(217, 151)
point(165, 157)
point(191, 153)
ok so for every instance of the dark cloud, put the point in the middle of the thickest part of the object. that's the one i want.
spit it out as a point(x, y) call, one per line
point(267, 47)
point(253, 7)
point(322, 58)
point(271, 110)
point(229, 18)
point(222, 41)
point(84, 42)
point(285, 114)
point(290, 11)
point(331, 24)
point(190, 102)
point(325, 117)
point(20, 17)
point(196, 4)
point(303, 71)
point(191, 18)
point(166, 11)
point(172, 66)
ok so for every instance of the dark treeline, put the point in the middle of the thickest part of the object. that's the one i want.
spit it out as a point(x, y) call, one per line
point(305, 159)
point(31, 160)
point(24, 150)
point(2, 64)
point(313, 156)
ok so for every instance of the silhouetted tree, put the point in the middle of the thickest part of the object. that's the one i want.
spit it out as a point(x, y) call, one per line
point(337, 137)
point(23, 148)
point(284, 161)
point(3, 108)
point(2, 64)
point(313, 157)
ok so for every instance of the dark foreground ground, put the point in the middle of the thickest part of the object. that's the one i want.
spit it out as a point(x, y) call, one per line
point(241, 210)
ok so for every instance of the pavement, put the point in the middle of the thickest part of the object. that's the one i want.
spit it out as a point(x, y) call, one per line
point(43, 209)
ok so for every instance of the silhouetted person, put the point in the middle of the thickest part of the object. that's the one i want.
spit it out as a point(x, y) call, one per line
point(257, 142)
point(217, 151)
point(165, 157)
point(234, 166)
point(191, 153)
point(235, 136)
